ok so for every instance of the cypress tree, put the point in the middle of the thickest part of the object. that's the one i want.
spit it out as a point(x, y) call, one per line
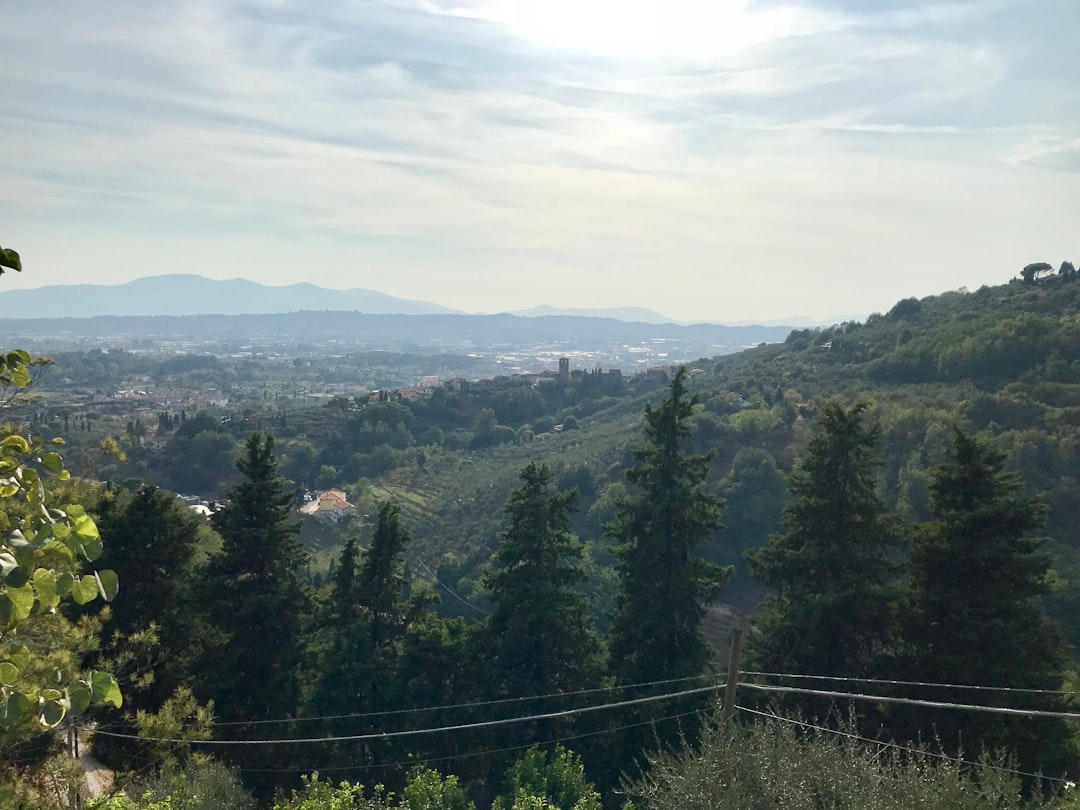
point(663, 590)
point(834, 567)
point(381, 578)
point(976, 571)
point(540, 639)
point(260, 605)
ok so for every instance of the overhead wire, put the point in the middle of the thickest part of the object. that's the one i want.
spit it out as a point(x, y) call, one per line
point(883, 744)
point(386, 735)
point(880, 681)
point(450, 706)
point(450, 591)
point(447, 757)
point(934, 704)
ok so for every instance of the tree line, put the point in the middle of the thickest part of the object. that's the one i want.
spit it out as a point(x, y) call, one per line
point(238, 631)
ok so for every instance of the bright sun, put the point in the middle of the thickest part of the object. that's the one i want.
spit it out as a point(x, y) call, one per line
point(696, 29)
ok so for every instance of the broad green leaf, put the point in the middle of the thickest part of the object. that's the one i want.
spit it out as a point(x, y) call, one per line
point(50, 694)
point(15, 709)
point(16, 356)
point(57, 440)
point(10, 258)
point(92, 549)
point(55, 550)
point(73, 510)
point(20, 375)
point(105, 689)
point(17, 578)
point(53, 463)
point(79, 696)
point(84, 590)
point(63, 583)
point(9, 673)
point(16, 443)
point(45, 586)
point(7, 490)
point(19, 656)
point(22, 598)
point(108, 584)
point(84, 526)
point(51, 713)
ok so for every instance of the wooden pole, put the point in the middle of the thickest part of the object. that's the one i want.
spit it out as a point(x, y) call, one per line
point(732, 677)
point(73, 749)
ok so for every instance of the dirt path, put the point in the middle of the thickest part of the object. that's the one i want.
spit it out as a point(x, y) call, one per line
point(97, 779)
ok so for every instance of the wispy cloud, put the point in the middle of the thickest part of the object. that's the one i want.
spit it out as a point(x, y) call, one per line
point(476, 153)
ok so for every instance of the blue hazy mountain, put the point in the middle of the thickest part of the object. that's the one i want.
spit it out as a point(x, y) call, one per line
point(195, 295)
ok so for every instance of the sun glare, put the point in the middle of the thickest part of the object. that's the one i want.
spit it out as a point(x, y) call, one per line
point(698, 29)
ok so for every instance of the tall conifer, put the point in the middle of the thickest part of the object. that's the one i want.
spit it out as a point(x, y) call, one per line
point(834, 568)
point(664, 590)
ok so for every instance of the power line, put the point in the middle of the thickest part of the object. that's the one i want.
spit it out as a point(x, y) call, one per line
point(447, 588)
point(448, 757)
point(448, 706)
point(906, 749)
point(932, 704)
point(386, 735)
point(909, 683)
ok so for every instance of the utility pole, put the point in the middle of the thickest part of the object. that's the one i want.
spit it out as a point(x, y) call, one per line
point(732, 678)
point(73, 749)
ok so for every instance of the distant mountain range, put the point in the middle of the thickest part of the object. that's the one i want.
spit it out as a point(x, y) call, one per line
point(183, 294)
point(631, 314)
point(195, 295)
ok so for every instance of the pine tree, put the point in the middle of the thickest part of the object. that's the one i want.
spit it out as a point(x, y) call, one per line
point(256, 587)
point(835, 565)
point(540, 638)
point(382, 583)
point(153, 540)
point(663, 590)
point(976, 570)
point(152, 546)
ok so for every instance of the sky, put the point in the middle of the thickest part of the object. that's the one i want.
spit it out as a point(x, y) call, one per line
point(723, 160)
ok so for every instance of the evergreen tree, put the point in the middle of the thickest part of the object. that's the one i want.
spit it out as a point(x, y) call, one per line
point(259, 602)
point(382, 584)
point(664, 591)
point(343, 641)
point(153, 540)
point(976, 570)
point(834, 566)
point(540, 638)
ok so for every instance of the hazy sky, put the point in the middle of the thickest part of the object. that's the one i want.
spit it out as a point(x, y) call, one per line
point(710, 159)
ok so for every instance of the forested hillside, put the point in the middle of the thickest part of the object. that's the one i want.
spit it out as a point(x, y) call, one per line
point(532, 566)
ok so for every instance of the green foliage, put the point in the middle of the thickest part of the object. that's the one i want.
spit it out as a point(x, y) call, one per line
point(428, 790)
point(773, 764)
point(976, 570)
point(834, 566)
point(9, 259)
point(425, 790)
point(553, 779)
point(258, 602)
point(318, 795)
point(199, 785)
point(381, 579)
point(664, 591)
point(539, 638)
point(43, 548)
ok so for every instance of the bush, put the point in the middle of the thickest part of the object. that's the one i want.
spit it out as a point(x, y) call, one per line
point(774, 764)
